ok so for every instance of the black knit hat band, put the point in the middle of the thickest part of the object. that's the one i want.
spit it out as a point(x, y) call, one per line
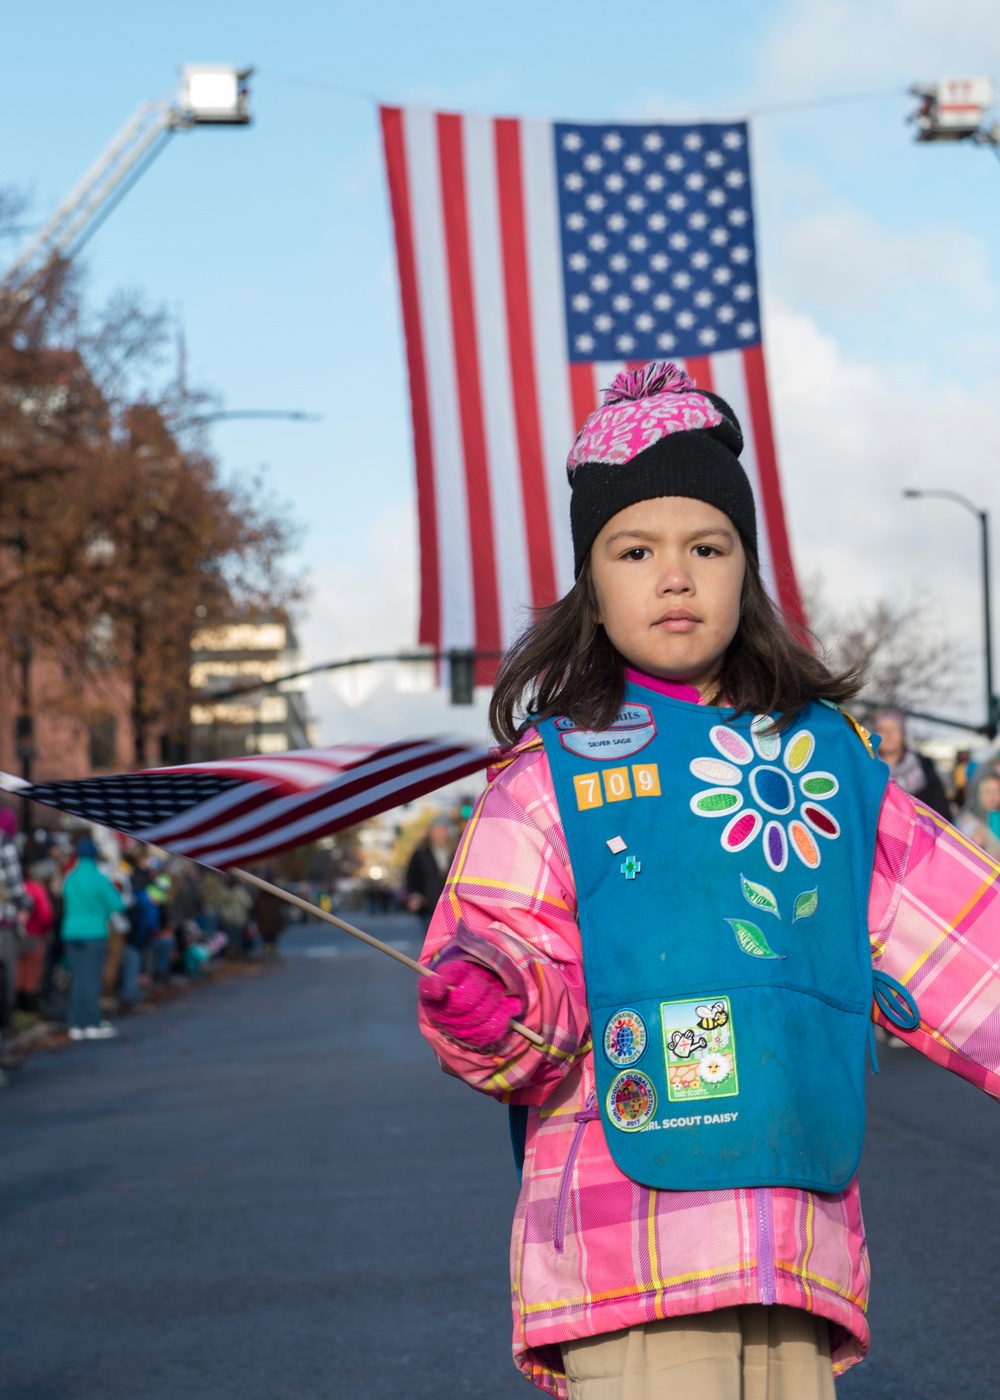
point(685, 464)
point(657, 434)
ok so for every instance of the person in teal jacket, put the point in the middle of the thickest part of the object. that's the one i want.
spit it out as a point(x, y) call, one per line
point(89, 900)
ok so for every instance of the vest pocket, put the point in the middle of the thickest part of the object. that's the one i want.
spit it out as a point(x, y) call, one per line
point(587, 1114)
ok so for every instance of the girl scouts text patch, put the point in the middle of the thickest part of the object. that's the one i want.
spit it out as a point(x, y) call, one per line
point(632, 729)
point(700, 1049)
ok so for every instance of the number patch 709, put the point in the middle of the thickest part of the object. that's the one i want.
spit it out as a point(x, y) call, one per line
point(616, 785)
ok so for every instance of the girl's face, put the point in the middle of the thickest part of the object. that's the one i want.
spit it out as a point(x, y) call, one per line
point(668, 574)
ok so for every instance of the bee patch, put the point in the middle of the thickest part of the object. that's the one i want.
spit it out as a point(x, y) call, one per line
point(700, 1049)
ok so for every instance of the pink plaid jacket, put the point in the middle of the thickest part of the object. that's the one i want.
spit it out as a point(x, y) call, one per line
point(592, 1251)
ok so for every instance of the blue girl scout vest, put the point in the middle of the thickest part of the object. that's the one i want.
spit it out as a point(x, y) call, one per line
point(722, 873)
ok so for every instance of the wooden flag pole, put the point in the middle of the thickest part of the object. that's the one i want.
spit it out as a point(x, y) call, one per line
point(360, 933)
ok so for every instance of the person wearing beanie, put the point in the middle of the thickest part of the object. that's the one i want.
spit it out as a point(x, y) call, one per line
point(913, 771)
point(695, 884)
point(14, 904)
point(89, 900)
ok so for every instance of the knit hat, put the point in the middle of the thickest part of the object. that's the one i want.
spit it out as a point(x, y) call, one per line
point(657, 434)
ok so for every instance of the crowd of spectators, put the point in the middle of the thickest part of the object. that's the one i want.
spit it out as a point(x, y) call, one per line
point(90, 927)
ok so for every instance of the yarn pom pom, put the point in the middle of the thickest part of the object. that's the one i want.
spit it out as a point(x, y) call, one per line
point(656, 378)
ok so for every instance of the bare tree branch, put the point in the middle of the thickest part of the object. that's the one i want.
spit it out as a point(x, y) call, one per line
point(907, 654)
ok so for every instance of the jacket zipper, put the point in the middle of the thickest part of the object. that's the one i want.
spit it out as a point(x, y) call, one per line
point(765, 1246)
point(586, 1115)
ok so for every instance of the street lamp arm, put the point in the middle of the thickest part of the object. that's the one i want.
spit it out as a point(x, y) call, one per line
point(211, 696)
point(982, 516)
point(946, 495)
point(296, 415)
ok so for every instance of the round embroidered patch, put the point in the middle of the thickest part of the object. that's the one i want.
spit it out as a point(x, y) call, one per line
point(772, 789)
point(631, 1100)
point(625, 1038)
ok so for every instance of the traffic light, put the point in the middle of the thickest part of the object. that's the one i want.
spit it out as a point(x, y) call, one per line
point(461, 666)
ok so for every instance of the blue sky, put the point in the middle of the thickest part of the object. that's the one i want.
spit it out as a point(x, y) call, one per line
point(879, 259)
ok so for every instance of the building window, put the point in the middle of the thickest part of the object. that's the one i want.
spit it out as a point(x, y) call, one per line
point(103, 734)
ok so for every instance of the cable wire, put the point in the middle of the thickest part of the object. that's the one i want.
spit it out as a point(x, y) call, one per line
point(319, 85)
point(835, 100)
point(771, 109)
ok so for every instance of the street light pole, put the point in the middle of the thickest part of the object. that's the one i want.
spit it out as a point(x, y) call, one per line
point(991, 717)
point(990, 727)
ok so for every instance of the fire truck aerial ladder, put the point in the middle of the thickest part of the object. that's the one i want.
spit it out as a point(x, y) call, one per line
point(209, 94)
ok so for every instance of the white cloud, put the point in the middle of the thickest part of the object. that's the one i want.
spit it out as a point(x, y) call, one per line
point(813, 42)
point(841, 257)
point(852, 436)
point(363, 599)
point(365, 604)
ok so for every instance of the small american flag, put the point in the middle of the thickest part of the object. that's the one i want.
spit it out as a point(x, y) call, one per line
point(231, 811)
point(536, 260)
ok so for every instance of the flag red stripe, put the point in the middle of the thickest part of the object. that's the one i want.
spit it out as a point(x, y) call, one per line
point(307, 803)
point(257, 768)
point(420, 766)
point(699, 367)
point(399, 193)
point(470, 404)
point(520, 343)
point(583, 394)
point(770, 487)
point(266, 839)
point(234, 852)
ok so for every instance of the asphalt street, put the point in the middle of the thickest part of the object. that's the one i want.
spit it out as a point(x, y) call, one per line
point(268, 1190)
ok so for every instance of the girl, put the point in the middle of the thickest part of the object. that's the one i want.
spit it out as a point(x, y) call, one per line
point(690, 876)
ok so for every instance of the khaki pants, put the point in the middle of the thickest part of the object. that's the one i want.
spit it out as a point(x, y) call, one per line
point(113, 964)
point(746, 1353)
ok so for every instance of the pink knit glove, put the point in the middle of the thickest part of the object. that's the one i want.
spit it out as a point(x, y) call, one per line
point(469, 1003)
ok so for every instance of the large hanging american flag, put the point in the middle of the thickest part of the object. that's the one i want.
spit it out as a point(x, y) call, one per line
point(230, 811)
point(536, 260)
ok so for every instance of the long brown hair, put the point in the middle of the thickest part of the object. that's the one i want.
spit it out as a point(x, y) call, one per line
point(565, 664)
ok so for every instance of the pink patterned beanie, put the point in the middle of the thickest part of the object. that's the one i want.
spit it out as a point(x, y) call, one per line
point(657, 434)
